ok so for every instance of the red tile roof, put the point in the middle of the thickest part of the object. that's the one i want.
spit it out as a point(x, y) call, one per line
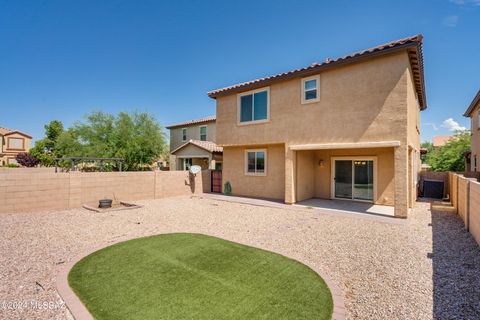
point(472, 106)
point(6, 131)
point(190, 122)
point(412, 44)
point(439, 141)
point(206, 145)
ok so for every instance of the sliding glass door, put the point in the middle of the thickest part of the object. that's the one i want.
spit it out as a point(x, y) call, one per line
point(353, 179)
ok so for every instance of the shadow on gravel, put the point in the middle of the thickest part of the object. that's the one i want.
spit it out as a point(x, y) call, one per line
point(456, 267)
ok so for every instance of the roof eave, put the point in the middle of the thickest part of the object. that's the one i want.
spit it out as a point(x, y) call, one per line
point(18, 132)
point(179, 125)
point(473, 105)
point(333, 64)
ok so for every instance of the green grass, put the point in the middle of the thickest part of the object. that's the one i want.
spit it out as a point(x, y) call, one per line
point(193, 276)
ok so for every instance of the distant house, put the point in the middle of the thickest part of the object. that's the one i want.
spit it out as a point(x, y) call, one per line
point(193, 143)
point(439, 141)
point(346, 128)
point(12, 142)
point(473, 112)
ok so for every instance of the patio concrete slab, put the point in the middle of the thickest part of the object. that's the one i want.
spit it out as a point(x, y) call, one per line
point(354, 207)
point(338, 207)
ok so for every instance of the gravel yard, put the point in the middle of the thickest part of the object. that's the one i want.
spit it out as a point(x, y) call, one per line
point(426, 267)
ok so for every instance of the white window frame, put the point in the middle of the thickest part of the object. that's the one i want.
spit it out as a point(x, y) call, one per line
point(184, 137)
point(206, 133)
point(239, 106)
point(317, 87)
point(264, 173)
point(478, 119)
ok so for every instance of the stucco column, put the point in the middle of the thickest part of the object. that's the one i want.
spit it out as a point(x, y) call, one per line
point(401, 181)
point(290, 169)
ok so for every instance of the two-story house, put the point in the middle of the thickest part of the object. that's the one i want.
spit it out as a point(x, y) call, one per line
point(193, 143)
point(347, 128)
point(12, 142)
point(473, 111)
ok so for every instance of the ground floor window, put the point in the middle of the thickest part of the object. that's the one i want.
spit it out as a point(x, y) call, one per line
point(256, 162)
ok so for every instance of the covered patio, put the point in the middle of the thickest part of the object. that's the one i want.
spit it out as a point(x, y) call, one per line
point(362, 177)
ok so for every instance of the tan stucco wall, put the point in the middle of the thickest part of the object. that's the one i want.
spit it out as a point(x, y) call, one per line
point(305, 180)
point(414, 162)
point(193, 133)
point(385, 188)
point(270, 186)
point(5, 153)
point(368, 98)
point(475, 138)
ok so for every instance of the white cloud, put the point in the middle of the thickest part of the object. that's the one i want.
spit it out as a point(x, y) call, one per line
point(452, 125)
point(451, 21)
point(466, 2)
point(431, 124)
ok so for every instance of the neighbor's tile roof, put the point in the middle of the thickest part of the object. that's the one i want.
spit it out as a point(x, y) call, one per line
point(190, 122)
point(206, 145)
point(439, 141)
point(6, 131)
point(472, 106)
point(413, 44)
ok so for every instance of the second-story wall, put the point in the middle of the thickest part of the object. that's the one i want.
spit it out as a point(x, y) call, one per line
point(364, 101)
point(18, 143)
point(193, 133)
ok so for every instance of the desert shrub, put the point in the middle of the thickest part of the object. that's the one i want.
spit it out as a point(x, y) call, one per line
point(26, 160)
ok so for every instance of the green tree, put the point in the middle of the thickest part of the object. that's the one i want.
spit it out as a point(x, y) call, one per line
point(45, 149)
point(450, 157)
point(427, 145)
point(135, 137)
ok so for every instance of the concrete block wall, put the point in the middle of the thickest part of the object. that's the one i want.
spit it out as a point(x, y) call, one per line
point(465, 198)
point(29, 190)
point(41, 190)
point(462, 199)
point(474, 219)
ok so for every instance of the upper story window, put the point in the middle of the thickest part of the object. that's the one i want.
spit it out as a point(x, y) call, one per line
point(311, 89)
point(255, 162)
point(184, 134)
point(203, 133)
point(253, 106)
point(15, 143)
point(478, 119)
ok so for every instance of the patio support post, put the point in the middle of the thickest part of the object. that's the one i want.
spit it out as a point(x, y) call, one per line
point(401, 181)
point(290, 171)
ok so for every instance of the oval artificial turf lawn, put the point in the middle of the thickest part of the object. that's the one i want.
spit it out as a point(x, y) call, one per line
point(193, 276)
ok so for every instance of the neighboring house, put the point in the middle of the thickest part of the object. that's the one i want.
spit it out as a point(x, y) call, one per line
point(473, 112)
point(440, 141)
point(193, 143)
point(12, 142)
point(347, 128)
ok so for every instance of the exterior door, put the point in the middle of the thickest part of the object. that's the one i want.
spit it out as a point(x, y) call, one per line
point(353, 179)
point(216, 181)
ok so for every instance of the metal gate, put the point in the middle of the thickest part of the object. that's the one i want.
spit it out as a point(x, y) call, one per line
point(217, 181)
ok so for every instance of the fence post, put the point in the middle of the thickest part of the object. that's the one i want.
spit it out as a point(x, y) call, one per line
point(467, 209)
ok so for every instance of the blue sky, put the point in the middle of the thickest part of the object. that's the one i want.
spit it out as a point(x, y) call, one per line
point(62, 59)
